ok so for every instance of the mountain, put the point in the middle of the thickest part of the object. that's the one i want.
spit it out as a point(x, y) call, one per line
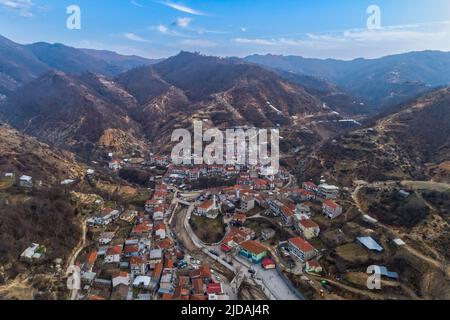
point(71, 60)
point(337, 98)
point(221, 92)
point(412, 143)
point(20, 64)
point(26, 155)
point(79, 113)
point(122, 62)
point(382, 82)
point(90, 113)
point(17, 65)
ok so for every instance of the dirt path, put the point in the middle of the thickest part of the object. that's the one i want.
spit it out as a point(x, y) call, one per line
point(18, 288)
point(71, 261)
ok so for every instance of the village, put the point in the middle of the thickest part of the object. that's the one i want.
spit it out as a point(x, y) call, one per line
point(191, 243)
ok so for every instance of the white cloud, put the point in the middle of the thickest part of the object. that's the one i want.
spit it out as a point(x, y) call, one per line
point(183, 8)
point(133, 37)
point(22, 7)
point(260, 42)
point(354, 43)
point(183, 22)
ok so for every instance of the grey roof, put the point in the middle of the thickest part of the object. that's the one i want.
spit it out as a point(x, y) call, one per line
point(370, 243)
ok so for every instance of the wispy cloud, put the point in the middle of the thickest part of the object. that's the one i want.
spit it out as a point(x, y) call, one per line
point(182, 22)
point(133, 37)
point(259, 42)
point(137, 4)
point(182, 8)
point(168, 31)
point(22, 7)
point(352, 43)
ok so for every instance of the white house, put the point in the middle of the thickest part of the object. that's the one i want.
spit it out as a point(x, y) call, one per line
point(121, 278)
point(160, 231)
point(308, 228)
point(331, 209)
point(113, 254)
point(26, 181)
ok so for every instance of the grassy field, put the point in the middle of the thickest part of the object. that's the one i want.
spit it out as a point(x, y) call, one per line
point(208, 230)
point(6, 183)
point(352, 252)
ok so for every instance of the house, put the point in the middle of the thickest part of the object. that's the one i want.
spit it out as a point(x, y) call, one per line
point(106, 238)
point(156, 274)
point(142, 282)
point(105, 217)
point(214, 288)
point(131, 251)
point(137, 266)
point(115, 165)
point(306, 195)
point(203, 272)
point(303, 209)
point(160, 231)
point(328, 191)
point(313, 266)
point(287, 213)
point(113, 254)
point(121, 278)
point(151, 204)
point(167, 283)
point(247, 203)
point(155, 256)
point(26, 181)
point(198, 287)
point(33, 252)
point(9, 175)
point(208, 209)
point(253, 250)
point(331, 209)
point(90, 261)
point(301, 249)
point(275, 207)
point(141, 229)
point(310, 186)
point(268, 264)
point(308, 228)
point(239, 219)
point(158, 213)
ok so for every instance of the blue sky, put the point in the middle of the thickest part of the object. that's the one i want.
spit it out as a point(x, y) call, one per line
point(160, 28)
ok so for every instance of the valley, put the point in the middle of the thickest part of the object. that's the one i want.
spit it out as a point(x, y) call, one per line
point(87, 180)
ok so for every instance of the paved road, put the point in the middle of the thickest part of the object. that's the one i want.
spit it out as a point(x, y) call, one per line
point(275, 284)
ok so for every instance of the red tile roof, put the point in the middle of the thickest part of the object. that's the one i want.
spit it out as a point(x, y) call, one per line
point(331, 204)
point(214, 288)
point(157, 271)
point(253, 246)
point(308, 223)
point(301, 244)
point(92, 257)
point(114, 250)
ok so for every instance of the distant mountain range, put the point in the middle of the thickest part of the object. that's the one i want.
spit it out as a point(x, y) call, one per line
point(20, 64)
point(379, 82)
